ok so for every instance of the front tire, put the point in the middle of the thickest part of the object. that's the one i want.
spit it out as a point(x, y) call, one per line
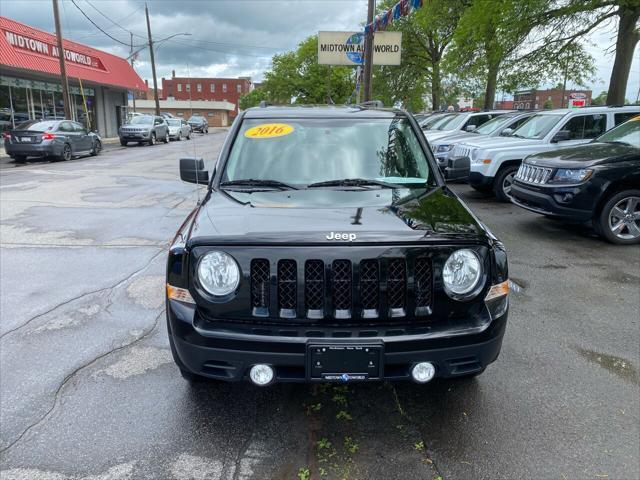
point(166, 138)
point(152, 139)
point(180, 136)
point(20, 158)
point(502, 183)
point(124, 143)
point(619, 219)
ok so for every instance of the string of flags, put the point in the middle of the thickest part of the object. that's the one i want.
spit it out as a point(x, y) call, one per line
point(400, 9)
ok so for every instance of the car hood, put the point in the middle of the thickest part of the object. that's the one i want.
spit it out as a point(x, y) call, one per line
point(458, 137)
point(586, 155)
point(493, 143)
point(433, 135)
point(398, 216)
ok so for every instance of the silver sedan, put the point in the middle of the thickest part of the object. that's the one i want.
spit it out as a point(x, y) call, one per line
point(178, 129)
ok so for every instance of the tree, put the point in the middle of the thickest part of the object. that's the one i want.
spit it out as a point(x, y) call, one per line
point(252, 99)
point(574, 19)
point(548, 104)
point(298, 76)
point(426, 34)
point(601, 99)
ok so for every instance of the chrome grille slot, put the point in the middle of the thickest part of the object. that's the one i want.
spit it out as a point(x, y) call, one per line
point(260, 287)
point(287, 288)
point(423, 286)
point(314, 288)
point(370, 288)
point(341, 288)
point(396, 287)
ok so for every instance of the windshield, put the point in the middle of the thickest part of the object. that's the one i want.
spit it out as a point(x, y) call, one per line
point(302, 151)
point(173, 122)
point(195, 119)
point(141, 120)
point(493, 125)
point(628, 132)
point(538, 126)
point(37, 126)
point(430, 121)
point(452, 123)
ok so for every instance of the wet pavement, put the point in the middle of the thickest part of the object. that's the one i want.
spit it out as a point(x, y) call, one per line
point(89, 390)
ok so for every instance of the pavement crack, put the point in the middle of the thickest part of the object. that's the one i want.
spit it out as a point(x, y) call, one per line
point(245, 446)
point(58, 392)
point(85, 294)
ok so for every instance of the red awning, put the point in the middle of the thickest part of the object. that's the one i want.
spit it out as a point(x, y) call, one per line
point(27, 48)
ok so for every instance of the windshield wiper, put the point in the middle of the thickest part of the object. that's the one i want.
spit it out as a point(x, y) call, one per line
point(517, 136)
point(252, 182)
point(352, 182)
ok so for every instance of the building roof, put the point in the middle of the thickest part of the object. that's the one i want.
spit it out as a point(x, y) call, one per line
point(185, 104)
point(27, 48)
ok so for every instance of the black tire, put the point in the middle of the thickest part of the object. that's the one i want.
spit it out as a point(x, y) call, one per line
point(97, 148)
point(124, 143)
point(152, 138)
point(628, 222)
point(179, 136)
point(206, 130)
point(189, 136)
point(166, 137)
point(502, 183)
point(189, 376)
point(20, 158)
point(66, 153)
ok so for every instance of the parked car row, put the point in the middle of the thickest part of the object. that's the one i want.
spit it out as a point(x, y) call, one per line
point(55, 139)
point(151, 129)
point(574, 164)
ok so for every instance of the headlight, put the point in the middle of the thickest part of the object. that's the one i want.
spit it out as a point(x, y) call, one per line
point(462, 272)
point(218, 273)
point(571, 175)
point(444, 148)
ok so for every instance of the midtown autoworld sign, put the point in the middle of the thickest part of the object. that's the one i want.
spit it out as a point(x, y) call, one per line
point(347, 48)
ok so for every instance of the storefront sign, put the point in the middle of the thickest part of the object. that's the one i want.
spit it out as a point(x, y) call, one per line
point(347, 48)
point(31, 45)
point(577, 102)
point(577, 95)
point(45, 86)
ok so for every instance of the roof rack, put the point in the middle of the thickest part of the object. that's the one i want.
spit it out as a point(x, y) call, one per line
point(265, 104)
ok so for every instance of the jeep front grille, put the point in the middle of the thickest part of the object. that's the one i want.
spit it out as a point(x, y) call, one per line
point(342, 290)
point(534, 175)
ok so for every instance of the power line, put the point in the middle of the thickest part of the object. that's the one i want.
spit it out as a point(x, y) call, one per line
point(113, 22)
point(107, 34)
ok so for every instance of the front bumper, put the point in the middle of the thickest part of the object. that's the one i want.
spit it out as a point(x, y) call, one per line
point(548, 201)
point(134, 136)
point(228, 355)
point(477, 179)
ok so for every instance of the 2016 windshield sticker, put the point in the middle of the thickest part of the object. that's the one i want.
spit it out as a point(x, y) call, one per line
point(269, 130)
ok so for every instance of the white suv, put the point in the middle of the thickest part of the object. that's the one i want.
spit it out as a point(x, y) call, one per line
point(494, 161)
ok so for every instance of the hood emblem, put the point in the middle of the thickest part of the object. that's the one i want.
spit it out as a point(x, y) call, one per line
point(341, 236)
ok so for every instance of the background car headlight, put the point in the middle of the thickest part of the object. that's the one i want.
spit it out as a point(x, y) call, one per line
point(571, 175)
point(218, 273)
point(462, 272)
point(444, 148)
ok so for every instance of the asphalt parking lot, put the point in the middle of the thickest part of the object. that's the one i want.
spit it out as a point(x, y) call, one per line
point(89, 390)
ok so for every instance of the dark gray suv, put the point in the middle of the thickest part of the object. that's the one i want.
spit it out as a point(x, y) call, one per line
point(144, 129)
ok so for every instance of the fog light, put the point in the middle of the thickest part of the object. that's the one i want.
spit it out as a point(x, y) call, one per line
point(261, 374)
point(423, 372)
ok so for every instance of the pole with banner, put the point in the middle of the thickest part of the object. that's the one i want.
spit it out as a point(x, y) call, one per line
point(63, 70)
point(368, 53)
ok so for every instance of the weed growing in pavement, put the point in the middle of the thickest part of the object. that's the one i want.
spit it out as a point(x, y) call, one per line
point(342, 415)
point(303, 473)
point(350, 445)
point(419, 446)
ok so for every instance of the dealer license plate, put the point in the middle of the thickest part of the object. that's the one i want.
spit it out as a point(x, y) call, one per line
point(25, 139)
point(344, 363)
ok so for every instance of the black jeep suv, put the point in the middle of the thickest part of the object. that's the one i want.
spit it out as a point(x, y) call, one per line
point(598, 182)
point(328, 248)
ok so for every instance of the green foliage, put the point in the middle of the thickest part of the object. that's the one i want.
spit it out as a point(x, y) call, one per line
point(601, 99)
point(296, 77)
point(252, 99)
point(548, 104)
point(304, 473)
point(350, 445)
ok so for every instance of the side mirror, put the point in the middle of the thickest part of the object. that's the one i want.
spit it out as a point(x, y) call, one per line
point(192, 171)
point(506, 132)
point(458, 168)
point(561, 136)
point(470, 128)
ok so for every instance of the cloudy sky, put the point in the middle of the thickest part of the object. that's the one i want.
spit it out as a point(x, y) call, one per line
point(229, 37)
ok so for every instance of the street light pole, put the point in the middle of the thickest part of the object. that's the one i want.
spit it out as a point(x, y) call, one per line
point(153, 62)
point(368, 53)
point(131, 52)
point(63, 70)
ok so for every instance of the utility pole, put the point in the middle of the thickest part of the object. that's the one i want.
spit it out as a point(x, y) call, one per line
point(153, 62)
point(368, 53)
point(132, 55)
point(63, 70)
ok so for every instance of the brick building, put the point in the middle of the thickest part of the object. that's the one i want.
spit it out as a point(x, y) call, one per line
point(148, 94)
point(206, 89)
point(535, 99)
